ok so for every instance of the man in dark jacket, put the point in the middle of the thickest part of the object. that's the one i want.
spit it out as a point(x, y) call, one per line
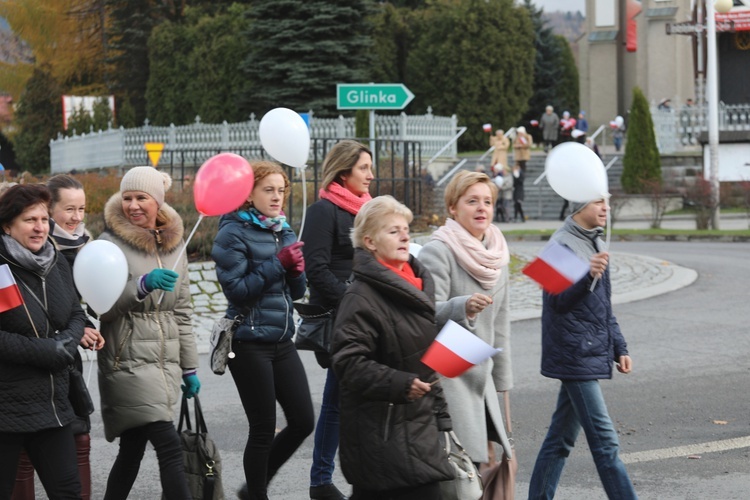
point(580, 341)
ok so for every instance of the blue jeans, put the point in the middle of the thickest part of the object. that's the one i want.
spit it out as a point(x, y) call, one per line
point(326, 434)
point(580, 404)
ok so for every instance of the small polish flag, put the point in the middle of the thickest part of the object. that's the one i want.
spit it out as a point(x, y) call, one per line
point(455, 350)
point(487, 127)
point(556, 268)
point(10, 295)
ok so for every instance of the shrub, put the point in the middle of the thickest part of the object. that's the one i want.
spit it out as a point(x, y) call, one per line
point(641, 163)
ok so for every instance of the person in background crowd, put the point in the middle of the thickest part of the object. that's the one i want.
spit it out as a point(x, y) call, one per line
point(468, 258)
point(501, 145)
point(501, 214)
point(567, 125)
point(150, 342)
point(67, 210)
point(519, 175)
point(582, 125)
point(582, 312)
point(549, 123)
point(522, 147)
point(39, 336)
point(261, 269)
point(392, 409)
point(618, 133)
point(347, 174)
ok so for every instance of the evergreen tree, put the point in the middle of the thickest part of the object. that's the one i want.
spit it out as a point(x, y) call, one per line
point(102, 114)
point(167, 99)
point(80, 121)
point(215, 81)
point(641, 171)
point(299, 50)
point(125, 114)
point(39, 119)
point(568, 88)
point(474, 58)
point(394, 33)
point(131, 23)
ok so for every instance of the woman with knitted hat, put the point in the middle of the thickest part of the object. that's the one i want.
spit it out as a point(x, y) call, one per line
point(347, 174)
point(150, 345)
point(468, 258)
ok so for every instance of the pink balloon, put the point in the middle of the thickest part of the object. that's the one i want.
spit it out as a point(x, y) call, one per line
point(222, 184)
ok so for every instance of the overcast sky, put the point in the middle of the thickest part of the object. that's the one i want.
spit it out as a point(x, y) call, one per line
point(564, 5)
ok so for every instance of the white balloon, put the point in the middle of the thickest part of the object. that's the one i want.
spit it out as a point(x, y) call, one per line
point(723, 6)
point(285, 136)
point(576, 173)
point(619, 120)
point(100, 273)
point(414, 249)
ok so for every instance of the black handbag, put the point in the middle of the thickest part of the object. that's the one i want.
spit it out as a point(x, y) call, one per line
point(200, 454)
point(315, 328)
point(78, 394)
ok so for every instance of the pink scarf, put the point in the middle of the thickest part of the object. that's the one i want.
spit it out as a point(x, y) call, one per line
point(483, 264)
point(343, 198)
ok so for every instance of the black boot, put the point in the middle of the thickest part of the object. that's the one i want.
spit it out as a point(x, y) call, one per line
point(326, 492)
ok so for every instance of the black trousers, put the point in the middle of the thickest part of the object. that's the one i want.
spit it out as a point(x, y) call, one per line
point(166, 441)
point(53, 454)
point(264, 374)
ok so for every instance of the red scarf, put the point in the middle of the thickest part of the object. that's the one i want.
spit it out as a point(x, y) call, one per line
point(343, 198)
point(406, 273)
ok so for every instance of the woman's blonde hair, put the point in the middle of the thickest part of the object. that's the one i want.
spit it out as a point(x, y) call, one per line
point(374, 215)
point(341, 159)
point(461, 182)
point(262, 169)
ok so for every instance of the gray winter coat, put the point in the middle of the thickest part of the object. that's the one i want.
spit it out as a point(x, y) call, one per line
point(148, 344)
point(469, 393)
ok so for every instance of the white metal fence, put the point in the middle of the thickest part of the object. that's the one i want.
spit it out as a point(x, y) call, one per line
point(125, 147)
point(679, 129)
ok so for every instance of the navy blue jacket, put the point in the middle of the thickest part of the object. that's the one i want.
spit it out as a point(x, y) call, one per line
point(253, 279)
point(580, 335)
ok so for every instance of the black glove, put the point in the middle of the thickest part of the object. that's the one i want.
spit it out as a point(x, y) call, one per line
point(61, 351)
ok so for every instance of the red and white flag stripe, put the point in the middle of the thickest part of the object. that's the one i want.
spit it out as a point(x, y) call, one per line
point(455, 350)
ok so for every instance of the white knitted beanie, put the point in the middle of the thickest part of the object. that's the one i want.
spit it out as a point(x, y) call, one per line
point(147, 179)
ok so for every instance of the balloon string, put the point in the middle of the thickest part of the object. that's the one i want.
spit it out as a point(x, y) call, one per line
point(607, 238)
point(304, 203)
point(182, 252)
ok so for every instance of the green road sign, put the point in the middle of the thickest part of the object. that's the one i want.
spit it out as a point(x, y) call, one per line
point(372, 96)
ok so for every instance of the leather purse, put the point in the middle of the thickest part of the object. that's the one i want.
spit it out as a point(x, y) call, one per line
point(220, 343)
point(468, 484)
point(315, 328)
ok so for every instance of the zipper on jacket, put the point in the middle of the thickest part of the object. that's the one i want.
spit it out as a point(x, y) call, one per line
point(387, 427)
point(51, 375)
point(163, 335)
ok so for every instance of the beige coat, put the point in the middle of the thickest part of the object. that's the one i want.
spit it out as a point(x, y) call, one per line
point(148, 345)
point(468, 393)
point(500, 154)
point(522, 147)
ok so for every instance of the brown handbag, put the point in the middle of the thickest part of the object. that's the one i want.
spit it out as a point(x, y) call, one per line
point(499, 477)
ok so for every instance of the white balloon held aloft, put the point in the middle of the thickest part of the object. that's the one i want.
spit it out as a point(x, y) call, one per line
point(100, 273)
point(285, 136)
point(576, 173)
point(619, 120)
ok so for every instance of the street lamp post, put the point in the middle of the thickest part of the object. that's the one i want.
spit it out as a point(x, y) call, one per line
point(712, 98)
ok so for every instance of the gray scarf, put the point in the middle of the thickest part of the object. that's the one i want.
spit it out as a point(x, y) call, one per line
point(39, 262)
point(584, 242)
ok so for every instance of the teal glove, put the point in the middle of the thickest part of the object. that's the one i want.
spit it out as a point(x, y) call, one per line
point(163, 279)
point(192, 385)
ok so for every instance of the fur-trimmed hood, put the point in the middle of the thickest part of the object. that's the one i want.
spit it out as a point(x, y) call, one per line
point(168, 222)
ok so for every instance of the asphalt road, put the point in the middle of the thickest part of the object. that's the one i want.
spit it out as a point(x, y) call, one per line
point(682, 414)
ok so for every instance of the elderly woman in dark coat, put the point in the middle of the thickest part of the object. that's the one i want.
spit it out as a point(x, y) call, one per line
point(37, 343)
point(391, 415)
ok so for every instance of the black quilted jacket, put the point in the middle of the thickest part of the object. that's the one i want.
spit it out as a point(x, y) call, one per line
point(33, 376)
